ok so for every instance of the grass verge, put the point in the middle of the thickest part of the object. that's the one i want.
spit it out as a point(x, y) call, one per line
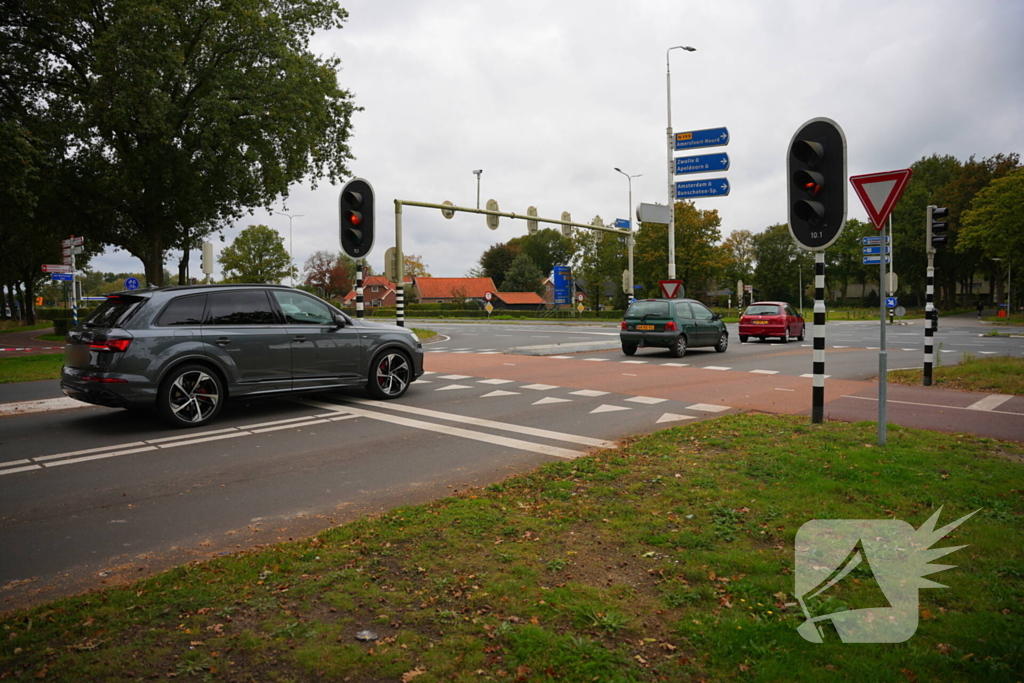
point(993, 374)
point(424, 334)
point(8, 326)
point(669, 559)
point(31, 368)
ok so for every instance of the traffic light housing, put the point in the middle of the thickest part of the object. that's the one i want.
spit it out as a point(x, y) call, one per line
point(938, 224)
point(816, 169)
point(356, 204)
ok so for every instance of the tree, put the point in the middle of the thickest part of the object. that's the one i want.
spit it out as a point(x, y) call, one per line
point(412, 266)
point(778, 257)
point(174, 117)
point(496, 261)
point(992, 225)
point(257, 255)
point(547, 248)
point(523, 276)
point(737, 257)
point(327, 271)
point(698, 258)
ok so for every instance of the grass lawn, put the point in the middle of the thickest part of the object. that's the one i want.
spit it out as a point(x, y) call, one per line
point(8, 326)
point(992, 374)
point(31, 368)
point(670, 559)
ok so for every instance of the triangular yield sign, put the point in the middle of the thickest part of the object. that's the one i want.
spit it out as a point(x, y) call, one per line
point(879, 192)
point(670, 288)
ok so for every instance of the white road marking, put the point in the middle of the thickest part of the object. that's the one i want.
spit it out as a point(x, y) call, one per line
point(562, 357)
point(714, 367)
point(496, 381)
point(551, 399)
point(481, 422)
point(931, 405)
point(517, 444)
point(990, 402)
point(634, 362)
point(597, 360)
point(608, 409)
point(588, 392)
point(781, 389)
point(499, 392)
point(676, 365)
point(453, 386)
point(648, 400)
point(672, 417)
point(454, 376)
point(765, 372)
point(707, 407)
point(539, 387)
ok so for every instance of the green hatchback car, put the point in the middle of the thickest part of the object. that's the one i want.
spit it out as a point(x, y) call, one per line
point(674, 324)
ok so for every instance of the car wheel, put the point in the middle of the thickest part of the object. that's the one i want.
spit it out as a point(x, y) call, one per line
point(800, 337)
point(785, 336)
point(390, 375)
point(743, 339)
point(629, 349)
point(723, 343)
point(678, 348)
point(190, 396)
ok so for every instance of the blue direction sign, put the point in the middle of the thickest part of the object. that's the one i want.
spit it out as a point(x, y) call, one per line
point(702, 163)
point(709, 137)
point(714, 187)
point(890, 301)
point(874, 250)
point(61, 276)
point(622, 223)
point(561, 294)
point(873, 260)
point(131, 283)
point(874, 240)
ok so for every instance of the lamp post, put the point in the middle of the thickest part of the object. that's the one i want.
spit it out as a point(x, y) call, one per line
point(1009, 282)
point(291, 245)
point(671, 165)
point(478, 173)
point(629, 216)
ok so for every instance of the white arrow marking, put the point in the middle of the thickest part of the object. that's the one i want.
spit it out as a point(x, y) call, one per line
point(672, 417)
point(499, 392)
point(551, 399)
point(608, 409)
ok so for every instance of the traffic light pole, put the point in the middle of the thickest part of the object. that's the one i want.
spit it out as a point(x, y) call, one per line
point(452, 209)
point(929, 314)
point(818, 353)
point(883, 360)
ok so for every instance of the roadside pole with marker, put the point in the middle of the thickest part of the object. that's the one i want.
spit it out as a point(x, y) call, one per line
point(693, 189)
point(879, 193)
point(65, 272)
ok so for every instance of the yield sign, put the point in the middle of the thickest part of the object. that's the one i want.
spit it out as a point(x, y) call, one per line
point(672, 289)
point(879, 192)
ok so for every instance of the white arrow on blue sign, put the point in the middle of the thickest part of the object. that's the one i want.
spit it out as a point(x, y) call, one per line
point(702, 163)
point(873, 260)
point(709, 137)
point(874, 240)
point(716, 187)
point(890, 301)
point(874, 250)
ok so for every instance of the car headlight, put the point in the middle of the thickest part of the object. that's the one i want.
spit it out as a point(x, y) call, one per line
point(414, 336)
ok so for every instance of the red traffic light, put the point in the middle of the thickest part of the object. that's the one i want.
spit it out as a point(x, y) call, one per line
point(355, 218)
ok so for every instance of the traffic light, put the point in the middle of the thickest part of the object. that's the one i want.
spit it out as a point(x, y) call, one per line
point(357, 218)
point(207, 260)
point(938, 224)
point(816, 165)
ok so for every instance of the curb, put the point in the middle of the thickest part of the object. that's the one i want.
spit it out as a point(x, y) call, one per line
point(558, 349)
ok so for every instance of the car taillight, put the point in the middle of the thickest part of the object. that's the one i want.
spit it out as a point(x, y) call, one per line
point(670, 326)
point(103, 380)
point(111, 345)
point(623, 327)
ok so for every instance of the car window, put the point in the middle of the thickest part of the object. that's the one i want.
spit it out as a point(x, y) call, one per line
point(683, 311)
point(303, 310)
point(187, 310)
point(763, 309)
point(243, 307)
point(115, 311)
point(653, 309)
point(701, 312)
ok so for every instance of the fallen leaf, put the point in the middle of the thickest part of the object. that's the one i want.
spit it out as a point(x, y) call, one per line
point(409, 675)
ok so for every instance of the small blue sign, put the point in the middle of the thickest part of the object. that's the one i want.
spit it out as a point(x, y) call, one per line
point(890, 301)
point(873, 260)
point(874, 240)
point(702, 163)
point(61, 276)
point(874, 250)
point(709, 137)
point(622, 223)
point(131, 283)
point(715, 187)
point(561, 293)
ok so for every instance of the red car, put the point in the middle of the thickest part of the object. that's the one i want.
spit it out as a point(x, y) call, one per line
point(765, 319)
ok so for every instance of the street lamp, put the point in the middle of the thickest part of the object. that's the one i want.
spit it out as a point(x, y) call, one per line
point(671, 165)
point(629, 217)
point(478, 173)
point(1009, 281)
point(291, 245)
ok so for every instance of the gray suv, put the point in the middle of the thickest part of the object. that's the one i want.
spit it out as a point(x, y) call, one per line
point(184, 350)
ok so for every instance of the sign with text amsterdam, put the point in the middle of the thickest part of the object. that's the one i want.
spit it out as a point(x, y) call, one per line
point(709, 137)
point(713, 187)
point(702, 163)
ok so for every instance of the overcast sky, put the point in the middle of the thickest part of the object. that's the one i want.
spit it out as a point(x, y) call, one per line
point(548, 97)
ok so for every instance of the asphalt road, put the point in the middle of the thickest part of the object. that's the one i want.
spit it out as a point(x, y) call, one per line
point(91, 495)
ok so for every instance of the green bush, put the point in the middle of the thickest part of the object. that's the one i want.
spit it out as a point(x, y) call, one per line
point(62, 325)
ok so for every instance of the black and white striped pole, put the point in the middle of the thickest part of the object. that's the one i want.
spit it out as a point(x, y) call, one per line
point(359, 289)
point(929, 311)
point(816, 166)
point(399, 268)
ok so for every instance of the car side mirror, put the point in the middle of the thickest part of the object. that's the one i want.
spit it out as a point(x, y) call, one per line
point(716, 316)
point(339, 320)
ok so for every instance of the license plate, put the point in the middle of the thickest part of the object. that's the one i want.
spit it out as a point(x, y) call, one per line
point(760, 322)
point(645, 327)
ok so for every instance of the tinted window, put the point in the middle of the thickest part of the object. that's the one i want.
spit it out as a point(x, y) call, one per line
point(683, 311)
point(188, 310)
point(763, 309)
point(303, 310)
point(701, 312)
point(240, 308)
point(115, 311)
point(654, 309)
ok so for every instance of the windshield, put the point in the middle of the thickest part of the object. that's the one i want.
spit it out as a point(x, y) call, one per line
point(763, 309)
point(115, 311)
point(655, 309)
